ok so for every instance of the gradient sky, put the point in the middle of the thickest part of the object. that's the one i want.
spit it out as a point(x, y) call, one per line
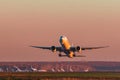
point(41, 22)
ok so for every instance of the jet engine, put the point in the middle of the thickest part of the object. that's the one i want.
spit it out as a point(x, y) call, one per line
point(78, 48)
point(53, 48)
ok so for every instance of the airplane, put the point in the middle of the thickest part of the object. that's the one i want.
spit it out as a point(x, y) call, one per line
point(19, 70)
point(67, 48)
point(34, 69)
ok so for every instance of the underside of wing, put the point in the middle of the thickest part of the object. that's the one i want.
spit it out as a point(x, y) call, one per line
point(78, 48)
point(41, 47)
point(90, 48)
point(53, 48)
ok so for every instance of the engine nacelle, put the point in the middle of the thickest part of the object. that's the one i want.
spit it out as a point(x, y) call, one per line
point(78, 49)
point(53, 48)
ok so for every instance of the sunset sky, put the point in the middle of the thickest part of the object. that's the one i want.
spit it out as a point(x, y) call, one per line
point(41, 22)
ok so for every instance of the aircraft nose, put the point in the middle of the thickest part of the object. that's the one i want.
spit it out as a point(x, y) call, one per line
point(61, 38)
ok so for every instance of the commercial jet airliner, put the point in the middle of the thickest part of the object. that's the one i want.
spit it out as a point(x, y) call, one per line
point(67, 48)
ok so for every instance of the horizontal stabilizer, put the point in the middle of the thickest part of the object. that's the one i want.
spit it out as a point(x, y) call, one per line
point(74, 56)
point(80, 56)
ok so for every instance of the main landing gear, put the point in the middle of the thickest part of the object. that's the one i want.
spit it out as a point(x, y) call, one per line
point(60, 55)
point(74, 55)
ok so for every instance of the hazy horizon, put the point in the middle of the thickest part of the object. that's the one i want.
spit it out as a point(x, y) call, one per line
point(85, 23)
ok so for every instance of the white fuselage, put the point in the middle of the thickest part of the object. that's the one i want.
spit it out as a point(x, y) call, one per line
point(66, 46)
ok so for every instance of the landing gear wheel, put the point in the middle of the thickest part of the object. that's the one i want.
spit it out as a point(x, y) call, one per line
point(74, 55)
point(60, 55)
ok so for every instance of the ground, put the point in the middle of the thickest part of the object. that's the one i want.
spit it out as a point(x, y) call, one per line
point(60, 76)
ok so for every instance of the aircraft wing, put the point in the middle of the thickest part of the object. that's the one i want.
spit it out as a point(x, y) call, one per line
point(90, 48)
point(74, 49)
point(41, 47)
point(49, 48)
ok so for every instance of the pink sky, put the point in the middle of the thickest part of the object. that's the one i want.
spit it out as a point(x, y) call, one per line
point(85, 23)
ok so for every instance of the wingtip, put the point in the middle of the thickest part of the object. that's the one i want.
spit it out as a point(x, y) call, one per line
point(30, 46)
point(107, 46)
